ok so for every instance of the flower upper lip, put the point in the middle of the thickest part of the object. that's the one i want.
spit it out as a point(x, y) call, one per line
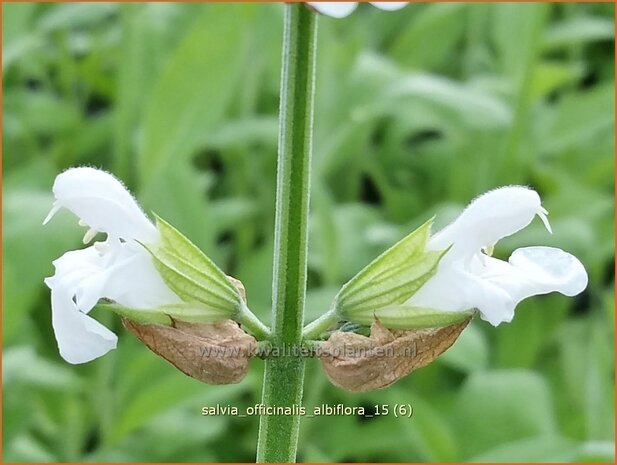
point(102, 203)
point(489, 218)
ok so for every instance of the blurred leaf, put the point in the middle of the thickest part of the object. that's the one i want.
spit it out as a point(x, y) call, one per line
point(20, 15)
point(26, 265)
point(16, 37)
point(577, 119)
point(550, 76)
point(230, 212)
point(180, 197)
point(359, 235)
point(153, 398)
point(65, 16)
point(577, 30)
point(534, 322)
point(596, 452)
point(166, 393)
point(23, 367)
point(32, 110)
point(429, 431)
point(540, 449)
point(436, 24)
point(183, 105)
point(27, 449)
point(470, 352)
point(586, 374)
point(520, 21)
point(516, 403)
point(318, 301)
point(472, 105)
point(369, 443)
point(262, 129)
point(255, 272)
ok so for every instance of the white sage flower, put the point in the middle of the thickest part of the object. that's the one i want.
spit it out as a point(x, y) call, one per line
point(343, 9)
point(468, 277)
point(119, 268)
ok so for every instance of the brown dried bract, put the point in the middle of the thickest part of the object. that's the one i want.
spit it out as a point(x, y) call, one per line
point(358, 363)
point(213, 353)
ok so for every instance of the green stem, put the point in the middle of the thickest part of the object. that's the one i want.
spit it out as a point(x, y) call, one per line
point(250, 321)
point(313, 347)
point(321, 324)
point(284, 374)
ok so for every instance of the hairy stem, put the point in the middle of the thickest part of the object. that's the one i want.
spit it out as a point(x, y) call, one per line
point(284, 374)
point(253, 324)
point(314, 329)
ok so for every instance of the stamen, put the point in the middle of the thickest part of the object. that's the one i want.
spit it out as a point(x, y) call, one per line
point(53, 211)
point(90, 233)
point(101, 247)
point(542, 213)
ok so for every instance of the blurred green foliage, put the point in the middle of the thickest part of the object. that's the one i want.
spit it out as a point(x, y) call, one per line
point(417, 112)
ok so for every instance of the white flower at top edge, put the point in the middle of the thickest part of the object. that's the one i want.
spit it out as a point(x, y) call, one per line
point(467, 278)
point(119, 268)
point(343, 9)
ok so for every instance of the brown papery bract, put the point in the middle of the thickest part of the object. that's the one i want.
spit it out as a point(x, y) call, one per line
point(213, 353)
point(358, 363)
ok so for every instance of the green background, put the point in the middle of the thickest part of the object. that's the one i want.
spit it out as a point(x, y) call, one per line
point(417, 112)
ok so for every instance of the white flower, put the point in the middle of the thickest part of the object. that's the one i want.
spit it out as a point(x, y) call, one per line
point(343, 9)
point(467, 278)
point(119, 269)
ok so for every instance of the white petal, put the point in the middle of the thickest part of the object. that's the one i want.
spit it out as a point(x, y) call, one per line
point(134, 282)
point(496, 287)
point(389, 6)
point(76, 265)
point(492, 216)
point(455, 290)
point(81, 274)
point(80, 338)
point(530, 271)
point(549, 269)
point(124, 273)
point(103, 203)
point(334, 9)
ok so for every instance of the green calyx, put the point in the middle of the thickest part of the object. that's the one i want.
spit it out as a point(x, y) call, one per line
point(204, 287)
point(163, 315)
point(381, 289)
point(409, 317)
